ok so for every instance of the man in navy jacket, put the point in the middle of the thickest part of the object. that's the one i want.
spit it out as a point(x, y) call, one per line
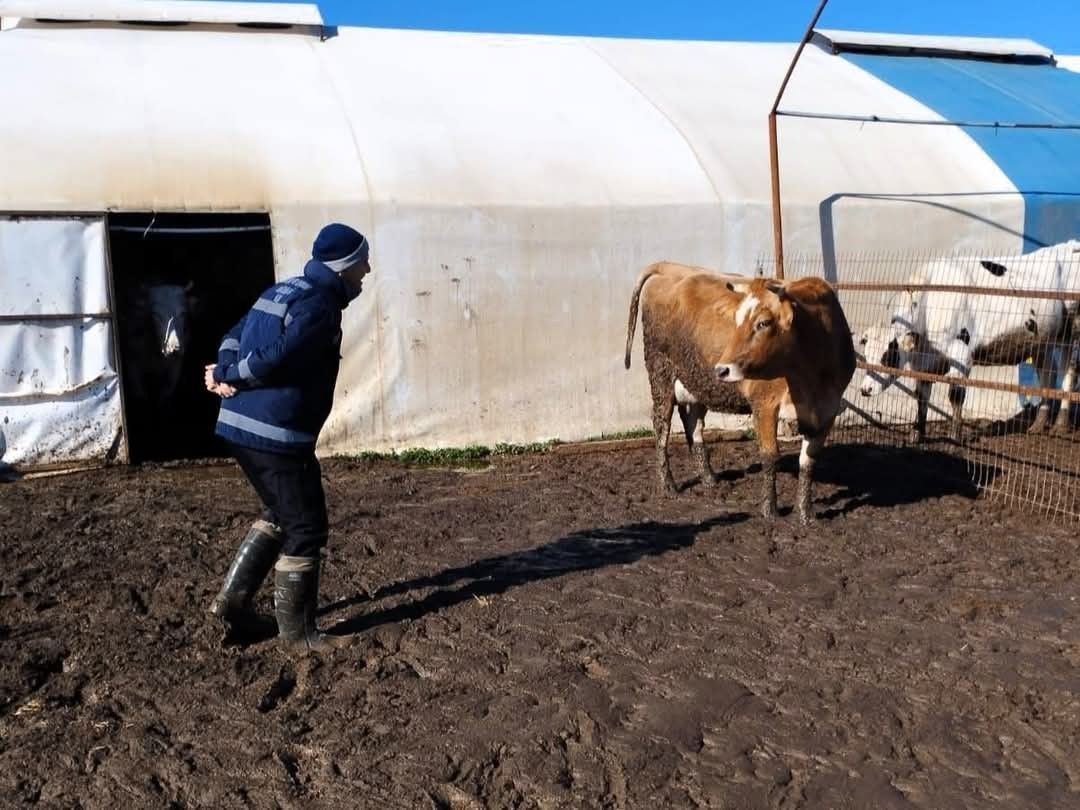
point(275, 373)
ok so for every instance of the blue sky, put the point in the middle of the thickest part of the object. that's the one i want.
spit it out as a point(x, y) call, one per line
point(1054, 23)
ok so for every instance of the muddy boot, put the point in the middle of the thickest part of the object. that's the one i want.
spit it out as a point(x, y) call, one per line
point(249, 568)
point(296, 596)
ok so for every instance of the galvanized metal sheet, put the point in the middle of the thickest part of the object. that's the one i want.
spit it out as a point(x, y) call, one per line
point(919, 43)
point(164, 11)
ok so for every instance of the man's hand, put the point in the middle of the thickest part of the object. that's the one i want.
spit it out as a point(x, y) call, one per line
point(213, 386)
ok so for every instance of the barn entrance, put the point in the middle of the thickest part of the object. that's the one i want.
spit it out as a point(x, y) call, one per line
point(180, 282)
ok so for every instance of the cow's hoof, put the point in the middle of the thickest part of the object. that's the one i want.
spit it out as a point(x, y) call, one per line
point(916, 437)
point(1058, 429)
point(768, 510)
point(807, 518)
point(1038, 426)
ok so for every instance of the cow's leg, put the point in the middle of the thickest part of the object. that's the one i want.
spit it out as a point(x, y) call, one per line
point(1068, 384)
point(1044, 369)
point(662, 384)
point(922, 404)
point(957, 394)
point(765, 421)
point(811, 446)
point(693, 420)
point(959, 357)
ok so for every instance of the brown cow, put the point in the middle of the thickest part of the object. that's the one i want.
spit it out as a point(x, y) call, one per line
point(778, 343)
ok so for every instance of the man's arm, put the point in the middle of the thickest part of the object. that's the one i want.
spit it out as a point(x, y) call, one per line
point(307, 332)
point(229, 350)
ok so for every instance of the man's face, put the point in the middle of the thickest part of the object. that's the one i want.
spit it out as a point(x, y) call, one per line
point(354, 276)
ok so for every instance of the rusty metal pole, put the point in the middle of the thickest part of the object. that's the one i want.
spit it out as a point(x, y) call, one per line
point(774, 154)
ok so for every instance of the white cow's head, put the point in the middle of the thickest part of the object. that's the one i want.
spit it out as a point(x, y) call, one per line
point(168, 304)
point(890, 344)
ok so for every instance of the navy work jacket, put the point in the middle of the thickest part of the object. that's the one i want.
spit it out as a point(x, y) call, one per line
point(283, 358)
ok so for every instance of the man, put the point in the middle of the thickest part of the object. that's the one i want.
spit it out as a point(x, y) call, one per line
point(275, 373)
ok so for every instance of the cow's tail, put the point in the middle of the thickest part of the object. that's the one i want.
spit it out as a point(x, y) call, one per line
point(646, 274)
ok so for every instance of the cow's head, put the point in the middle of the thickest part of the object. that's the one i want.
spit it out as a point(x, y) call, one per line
point(890, 344)
point(169, 309)
point(880, 346)
point(762, 335)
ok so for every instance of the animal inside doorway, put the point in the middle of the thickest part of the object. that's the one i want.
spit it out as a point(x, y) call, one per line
point(181, 281)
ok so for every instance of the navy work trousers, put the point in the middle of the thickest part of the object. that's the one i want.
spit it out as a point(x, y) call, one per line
point(290, 488)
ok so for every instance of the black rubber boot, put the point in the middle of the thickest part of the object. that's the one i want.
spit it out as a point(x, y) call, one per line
point(296, 596)
point(249, 568)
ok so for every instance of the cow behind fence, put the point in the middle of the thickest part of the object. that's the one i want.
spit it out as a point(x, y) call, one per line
point(947, 332)
point(968, 322)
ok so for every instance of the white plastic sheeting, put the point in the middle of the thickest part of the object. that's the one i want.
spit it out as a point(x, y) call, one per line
point(512, 188)
point(59, 390)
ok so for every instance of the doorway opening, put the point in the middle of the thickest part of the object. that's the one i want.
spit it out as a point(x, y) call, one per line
point(180, 281)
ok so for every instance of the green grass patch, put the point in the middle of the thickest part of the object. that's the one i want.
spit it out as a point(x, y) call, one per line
point(635, 433)
point(473, 455)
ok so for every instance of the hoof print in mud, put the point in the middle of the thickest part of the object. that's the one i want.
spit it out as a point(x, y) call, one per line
point(279, 691)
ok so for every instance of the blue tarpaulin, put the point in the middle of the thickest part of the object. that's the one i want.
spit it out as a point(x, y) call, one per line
point(1043, 164)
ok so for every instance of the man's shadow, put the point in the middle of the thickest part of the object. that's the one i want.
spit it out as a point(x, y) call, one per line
point(580, 551)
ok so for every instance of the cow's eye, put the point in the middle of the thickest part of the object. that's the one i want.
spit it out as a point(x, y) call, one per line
point(862, 342)
point(764, 323)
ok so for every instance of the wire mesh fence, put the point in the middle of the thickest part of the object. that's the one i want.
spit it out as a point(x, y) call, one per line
point(970, 356)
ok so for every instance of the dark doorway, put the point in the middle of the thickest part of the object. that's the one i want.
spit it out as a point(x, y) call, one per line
point(181, 281)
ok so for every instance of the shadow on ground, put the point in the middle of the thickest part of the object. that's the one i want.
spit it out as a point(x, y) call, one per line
point(580, 551)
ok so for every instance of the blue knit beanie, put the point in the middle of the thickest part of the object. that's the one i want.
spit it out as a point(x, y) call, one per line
point(339, 247)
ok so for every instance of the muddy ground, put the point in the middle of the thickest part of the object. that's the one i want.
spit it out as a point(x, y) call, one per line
point(547, 633)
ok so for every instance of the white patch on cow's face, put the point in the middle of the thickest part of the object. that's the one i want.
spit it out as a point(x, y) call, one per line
point(746, 309)
point(729, 372)
point(168, 309)
point(172, 339)
point(682, 396)
point(874, 347)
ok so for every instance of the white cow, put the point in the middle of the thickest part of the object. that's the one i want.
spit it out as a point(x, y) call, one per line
point(901, 343)
point(947, 333)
